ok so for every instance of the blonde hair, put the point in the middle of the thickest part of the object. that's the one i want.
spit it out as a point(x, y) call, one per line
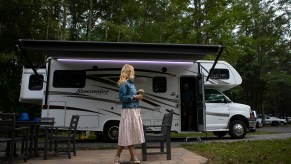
point(126, 72)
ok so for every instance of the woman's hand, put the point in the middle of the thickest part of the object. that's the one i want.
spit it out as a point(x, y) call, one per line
point(137, 97)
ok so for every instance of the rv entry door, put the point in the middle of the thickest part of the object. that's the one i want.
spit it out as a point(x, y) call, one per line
point(200, 103)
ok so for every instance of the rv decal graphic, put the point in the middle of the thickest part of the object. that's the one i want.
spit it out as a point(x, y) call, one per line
point(152, 103)
point(218, 114)
point(101, 80)
point(163, 98)
point(68, 108)
point(118, 114)
point(97, 91)
point(106, 88)
point(93, 98)
point(81, 96)
point(174, 112)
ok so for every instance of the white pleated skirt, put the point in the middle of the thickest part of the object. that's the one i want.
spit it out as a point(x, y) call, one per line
point(130, 128)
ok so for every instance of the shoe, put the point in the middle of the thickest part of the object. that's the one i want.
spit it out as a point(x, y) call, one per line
point(116, 160)
point(135, 160)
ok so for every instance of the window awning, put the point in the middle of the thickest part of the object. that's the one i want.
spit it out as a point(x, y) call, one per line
point(119, 50)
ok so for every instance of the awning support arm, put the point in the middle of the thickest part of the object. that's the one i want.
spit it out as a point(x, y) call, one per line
point(215, 62)
point(27, 59)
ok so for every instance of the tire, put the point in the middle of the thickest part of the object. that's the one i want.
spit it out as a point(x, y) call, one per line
point(237, 129)
point(220, 134)
point(275, 123)
point(282, 123)
point(260, 125)
point(111, 132)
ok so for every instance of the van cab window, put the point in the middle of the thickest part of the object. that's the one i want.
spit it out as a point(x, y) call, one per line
point(69, 79)
point(213, 96)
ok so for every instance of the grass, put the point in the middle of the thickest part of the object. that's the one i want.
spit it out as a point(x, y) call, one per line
point(210, 134)
point(263, 151)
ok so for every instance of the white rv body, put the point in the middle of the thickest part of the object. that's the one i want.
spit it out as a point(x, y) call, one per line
point(98, 104)
point(32, 87)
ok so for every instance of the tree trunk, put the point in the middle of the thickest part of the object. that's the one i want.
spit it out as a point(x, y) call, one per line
point(197, 26)
point(89, 28)
point(64, 20)
point(47, 28)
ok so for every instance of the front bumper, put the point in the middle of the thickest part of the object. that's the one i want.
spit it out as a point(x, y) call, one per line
point(252, 125)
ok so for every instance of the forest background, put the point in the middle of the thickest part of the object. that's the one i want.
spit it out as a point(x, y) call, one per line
point(256, 33)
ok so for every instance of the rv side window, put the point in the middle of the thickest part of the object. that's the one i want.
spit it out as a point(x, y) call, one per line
point(159, 84)
point(35, 82)
point(213, 96)
point(220, 74)
point(69, 79)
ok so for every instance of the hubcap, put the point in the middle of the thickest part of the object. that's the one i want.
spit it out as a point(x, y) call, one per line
point(113, 132)
point(238, 129)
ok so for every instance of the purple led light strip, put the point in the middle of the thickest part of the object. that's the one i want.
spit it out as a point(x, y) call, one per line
point(124, 61)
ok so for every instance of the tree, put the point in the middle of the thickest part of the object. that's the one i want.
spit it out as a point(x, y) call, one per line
point(256, 35)
point(261, 43)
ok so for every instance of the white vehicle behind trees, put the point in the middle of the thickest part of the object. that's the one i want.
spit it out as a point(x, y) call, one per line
point(80, 78)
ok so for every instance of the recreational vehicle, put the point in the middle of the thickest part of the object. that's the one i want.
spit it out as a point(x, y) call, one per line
point(80, 78)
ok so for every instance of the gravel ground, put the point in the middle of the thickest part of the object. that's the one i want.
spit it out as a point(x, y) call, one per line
point(282, 132)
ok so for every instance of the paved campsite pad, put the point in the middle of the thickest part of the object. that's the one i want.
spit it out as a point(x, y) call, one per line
point(179, 156)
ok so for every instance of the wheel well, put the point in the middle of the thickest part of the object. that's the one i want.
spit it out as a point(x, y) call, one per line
point(241, 118)
point(110, 122)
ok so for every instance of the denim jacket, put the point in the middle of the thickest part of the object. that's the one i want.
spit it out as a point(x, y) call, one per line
point(126, 92)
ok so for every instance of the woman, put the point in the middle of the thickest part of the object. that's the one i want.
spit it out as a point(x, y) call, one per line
point(130, 126)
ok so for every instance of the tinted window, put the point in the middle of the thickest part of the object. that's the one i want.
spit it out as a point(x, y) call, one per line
point(159, 84)
point(213, 96)
point(69, 79)
point(220, 74)
point(35, 82)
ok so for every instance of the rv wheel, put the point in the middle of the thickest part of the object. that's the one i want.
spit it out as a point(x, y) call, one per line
point(237, 129)
point(220, 134)
point(112, 131)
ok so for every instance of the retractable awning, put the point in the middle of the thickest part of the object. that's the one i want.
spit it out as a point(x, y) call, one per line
point(119, 50)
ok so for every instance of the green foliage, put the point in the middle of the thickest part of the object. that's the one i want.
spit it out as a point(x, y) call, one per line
point(263, 151)
point(256, 36)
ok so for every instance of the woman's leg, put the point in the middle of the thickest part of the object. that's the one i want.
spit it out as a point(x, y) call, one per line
point(119, 150)
point(133, 158)
point(131, 151)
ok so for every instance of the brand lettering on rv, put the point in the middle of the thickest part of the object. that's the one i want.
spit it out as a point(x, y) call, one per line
point(100, 91)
